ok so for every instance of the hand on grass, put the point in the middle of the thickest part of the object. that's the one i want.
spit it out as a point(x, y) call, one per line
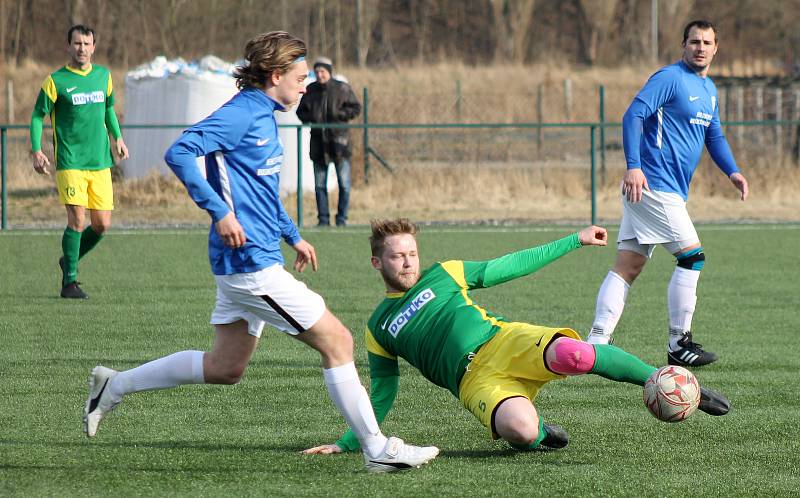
point(325, 449)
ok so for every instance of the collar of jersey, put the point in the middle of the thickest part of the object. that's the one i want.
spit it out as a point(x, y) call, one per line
point(394, 295)
point(82, 72)
point(686, 68)
point(262, 95)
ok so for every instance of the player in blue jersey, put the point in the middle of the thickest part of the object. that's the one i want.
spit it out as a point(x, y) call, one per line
point(667, 125)
point(243, 158)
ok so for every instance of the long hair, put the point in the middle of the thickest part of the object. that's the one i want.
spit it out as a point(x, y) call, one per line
point(266, 54)
point(381, 229)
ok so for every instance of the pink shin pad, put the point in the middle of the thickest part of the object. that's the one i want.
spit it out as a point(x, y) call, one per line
point(572, 357)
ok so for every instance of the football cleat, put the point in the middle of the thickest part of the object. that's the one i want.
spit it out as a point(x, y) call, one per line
point(690, 354)
point(597, 336)
point(99, 402)
point(713, 402)
point(72, 291)
point(555, 437)
point(397, 455)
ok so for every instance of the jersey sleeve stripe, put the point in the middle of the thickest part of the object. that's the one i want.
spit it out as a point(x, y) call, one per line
point(456, 271)
point(110, 85)
point(375, 348)
point(49, 88)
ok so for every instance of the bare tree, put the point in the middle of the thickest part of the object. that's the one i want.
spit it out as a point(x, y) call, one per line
point(420, 18)
point(366, 16)
point(597, 17)
point(512, 19)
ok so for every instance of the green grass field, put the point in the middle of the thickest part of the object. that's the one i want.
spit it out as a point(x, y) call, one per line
point(152, 294)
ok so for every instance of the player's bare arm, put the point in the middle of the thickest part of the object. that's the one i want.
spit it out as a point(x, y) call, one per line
point(305, 254)
point(41, 164)
point(740, 183)
point(593, 236)
point(231, 231)
point(633, 182)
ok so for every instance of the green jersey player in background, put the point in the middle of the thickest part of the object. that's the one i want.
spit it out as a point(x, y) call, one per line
point(79, 98)
point(495, 367)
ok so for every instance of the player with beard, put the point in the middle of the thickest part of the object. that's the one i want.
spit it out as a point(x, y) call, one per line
point(494, 366)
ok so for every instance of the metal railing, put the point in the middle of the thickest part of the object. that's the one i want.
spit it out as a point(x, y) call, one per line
point(592, 128)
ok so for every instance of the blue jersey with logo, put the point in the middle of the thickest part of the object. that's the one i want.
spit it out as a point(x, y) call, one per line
point(243, 158)
point(666, 126)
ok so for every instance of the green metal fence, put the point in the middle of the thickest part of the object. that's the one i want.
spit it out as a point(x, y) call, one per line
point(594, 131)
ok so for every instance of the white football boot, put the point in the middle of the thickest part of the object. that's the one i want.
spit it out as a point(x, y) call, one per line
point(397, 455)
point(99, 402)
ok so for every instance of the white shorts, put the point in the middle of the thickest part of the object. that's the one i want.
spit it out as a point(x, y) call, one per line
point(272, 296)
point(659, 218)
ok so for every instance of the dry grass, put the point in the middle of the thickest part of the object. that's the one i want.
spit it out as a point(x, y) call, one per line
point(449, 175)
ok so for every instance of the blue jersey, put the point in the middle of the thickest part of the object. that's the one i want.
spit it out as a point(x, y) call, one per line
point(243, 158)
point(666, 126)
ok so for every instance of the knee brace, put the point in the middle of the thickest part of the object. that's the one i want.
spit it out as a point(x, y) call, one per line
point(572, 357)
point(692, 260)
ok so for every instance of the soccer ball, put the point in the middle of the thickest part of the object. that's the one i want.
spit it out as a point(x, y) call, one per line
point(672, 393)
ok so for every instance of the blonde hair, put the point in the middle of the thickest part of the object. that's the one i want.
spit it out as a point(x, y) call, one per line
point(266, 54)
point(381, 229)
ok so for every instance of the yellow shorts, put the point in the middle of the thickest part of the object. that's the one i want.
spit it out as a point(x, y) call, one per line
point(510, 365)
point(90, 189)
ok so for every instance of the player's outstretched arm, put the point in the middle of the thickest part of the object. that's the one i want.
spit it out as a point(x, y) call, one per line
point(593, 236)
point(740, 182)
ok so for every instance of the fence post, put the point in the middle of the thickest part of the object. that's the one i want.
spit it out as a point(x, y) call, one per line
point(299, 176)
point(602, 134)
point(3, 165)
point(366, 135)
point(539, 114)
point(593, 176)
point(779, 117)
point(458, 100)
point(740, 115)
point(567, 100)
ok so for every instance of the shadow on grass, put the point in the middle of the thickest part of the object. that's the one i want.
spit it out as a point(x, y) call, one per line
point(171, 445)
point(30, 193)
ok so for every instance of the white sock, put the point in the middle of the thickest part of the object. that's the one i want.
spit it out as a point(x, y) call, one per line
point(353, 403)
point(610, 303)
point(184, 367)
point(681, 300)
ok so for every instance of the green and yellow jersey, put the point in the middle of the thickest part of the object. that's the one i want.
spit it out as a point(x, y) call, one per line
point(437, 327)
point(80, 104)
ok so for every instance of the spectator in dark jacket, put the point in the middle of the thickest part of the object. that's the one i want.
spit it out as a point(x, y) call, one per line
point(328, 100)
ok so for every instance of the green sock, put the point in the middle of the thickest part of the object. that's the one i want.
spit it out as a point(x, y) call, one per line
point(89, 239)
point(613, 363)
point(71, 245)
point(536, 443)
